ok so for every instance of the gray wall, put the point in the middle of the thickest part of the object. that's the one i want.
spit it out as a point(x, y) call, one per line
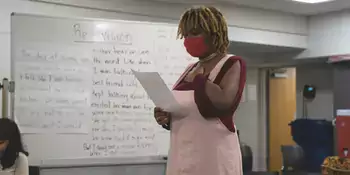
point(251, 121)
point(321, 76)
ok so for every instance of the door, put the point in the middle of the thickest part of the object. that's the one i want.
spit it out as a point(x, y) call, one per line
point(282, 108)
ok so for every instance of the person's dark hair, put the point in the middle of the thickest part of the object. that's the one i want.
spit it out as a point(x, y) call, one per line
point(208, 20)
point(10, 131)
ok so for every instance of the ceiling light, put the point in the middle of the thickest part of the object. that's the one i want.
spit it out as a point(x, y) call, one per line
point(312, 1)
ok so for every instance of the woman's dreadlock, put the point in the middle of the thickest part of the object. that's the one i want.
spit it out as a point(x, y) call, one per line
point(207, 20)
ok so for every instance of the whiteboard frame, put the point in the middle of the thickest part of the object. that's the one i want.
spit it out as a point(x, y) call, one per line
point(87, 162)
point(103, 161)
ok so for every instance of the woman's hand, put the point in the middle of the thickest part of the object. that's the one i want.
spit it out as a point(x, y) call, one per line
point(193, 73)
point(162, 117)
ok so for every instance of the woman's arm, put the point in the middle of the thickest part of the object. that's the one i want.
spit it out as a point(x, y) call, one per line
point(22, 167)
point(217, 99)
point(222, 96)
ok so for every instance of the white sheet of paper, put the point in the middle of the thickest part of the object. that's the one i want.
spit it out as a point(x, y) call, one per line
point(158, 91)
point(252, 94)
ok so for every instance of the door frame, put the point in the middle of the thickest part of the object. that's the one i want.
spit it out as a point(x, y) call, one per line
point(263, 136)
point(263, 112)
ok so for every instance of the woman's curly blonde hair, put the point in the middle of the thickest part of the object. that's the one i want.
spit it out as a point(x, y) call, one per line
point(207, 20)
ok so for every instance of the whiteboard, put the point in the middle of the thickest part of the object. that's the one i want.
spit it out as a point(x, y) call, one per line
point(76, 97)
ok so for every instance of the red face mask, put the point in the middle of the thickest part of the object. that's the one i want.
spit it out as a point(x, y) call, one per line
point(196, 46)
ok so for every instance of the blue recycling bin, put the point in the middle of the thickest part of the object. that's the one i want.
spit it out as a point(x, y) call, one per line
point(316, 139)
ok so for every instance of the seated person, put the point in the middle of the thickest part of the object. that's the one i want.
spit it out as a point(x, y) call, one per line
point(13, 158)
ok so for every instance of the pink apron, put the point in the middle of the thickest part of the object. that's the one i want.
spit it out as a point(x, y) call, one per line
point(200, 146)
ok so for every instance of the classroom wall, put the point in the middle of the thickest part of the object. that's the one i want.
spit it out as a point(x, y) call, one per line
point(321, 76)
point(247, 116)
point(248, 120)
point(236, 16)
point(329, 34)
